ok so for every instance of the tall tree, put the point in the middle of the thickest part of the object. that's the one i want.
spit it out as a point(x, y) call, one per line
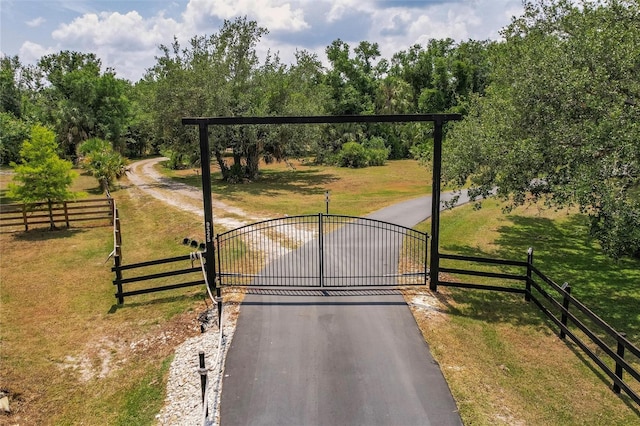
point(221, 75)
point(561, 120)
point(42, 175)
point(80, 101)
point(14, 131)
point(9, 91)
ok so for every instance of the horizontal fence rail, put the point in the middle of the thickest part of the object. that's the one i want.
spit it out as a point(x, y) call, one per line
point(487, 274)
point(322, 251)
point(120, 281)
point(588, 331)
point(609, 349)
point(65, 213)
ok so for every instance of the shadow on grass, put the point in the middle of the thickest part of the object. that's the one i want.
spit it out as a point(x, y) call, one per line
point(44, 234)
point(195, 297)
point(564, 252)
point(496, 307)
point(5, 199)
point(270, 182)
point(598, 372)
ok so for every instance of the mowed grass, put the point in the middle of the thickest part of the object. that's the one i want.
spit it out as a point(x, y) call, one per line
point(296, 188)
point(69, 355)
point(503, 361)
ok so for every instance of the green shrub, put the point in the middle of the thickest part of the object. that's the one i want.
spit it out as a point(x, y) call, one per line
point(377, 157)
point(353, 155)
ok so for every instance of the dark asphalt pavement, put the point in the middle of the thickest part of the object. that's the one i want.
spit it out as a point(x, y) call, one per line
point(315, 357)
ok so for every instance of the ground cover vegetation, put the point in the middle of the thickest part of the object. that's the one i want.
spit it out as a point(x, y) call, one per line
point(503, 361)
point(70, 355)
point(551, 110)
point(550, 118)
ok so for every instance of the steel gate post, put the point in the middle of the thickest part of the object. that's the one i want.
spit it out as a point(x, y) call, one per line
point(209, 255)
point(321, 249)
point(435, 202)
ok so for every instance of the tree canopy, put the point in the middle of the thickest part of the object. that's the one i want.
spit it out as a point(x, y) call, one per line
point(561, 119)
point(551, 111)
point(79, 100)
point(221, 75)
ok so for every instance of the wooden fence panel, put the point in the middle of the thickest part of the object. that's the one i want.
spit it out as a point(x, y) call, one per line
point(16, 217)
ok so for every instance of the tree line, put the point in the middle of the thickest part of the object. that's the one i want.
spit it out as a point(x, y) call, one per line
point(550, 112)
point(221, 75)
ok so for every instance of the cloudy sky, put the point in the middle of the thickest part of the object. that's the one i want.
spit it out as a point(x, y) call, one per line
point(126, 34)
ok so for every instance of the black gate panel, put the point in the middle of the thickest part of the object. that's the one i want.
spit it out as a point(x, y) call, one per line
point(322, 251)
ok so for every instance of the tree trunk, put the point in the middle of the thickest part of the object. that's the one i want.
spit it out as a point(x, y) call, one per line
point(253, 160)
point(224, 168)
point(52, 224)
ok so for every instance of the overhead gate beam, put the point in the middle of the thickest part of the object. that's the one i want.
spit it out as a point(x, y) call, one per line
point(203, 123)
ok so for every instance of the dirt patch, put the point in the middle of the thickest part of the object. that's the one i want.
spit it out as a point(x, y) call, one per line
point(108, 353)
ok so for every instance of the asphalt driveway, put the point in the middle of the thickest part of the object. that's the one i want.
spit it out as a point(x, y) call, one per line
point(321, 357)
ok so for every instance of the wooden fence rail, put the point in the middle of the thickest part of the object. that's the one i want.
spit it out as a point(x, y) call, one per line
point(23, 216)
point(555, 302)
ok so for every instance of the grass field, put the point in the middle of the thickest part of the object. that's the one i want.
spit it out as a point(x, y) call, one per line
point(69, 355)
point(502, 359)
point(296, 188)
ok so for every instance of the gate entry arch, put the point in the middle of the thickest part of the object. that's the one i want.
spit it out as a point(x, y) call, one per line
point(322, 251)
point(203, 124)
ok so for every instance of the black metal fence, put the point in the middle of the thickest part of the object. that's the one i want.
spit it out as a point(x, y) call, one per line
point(153, 273)
point(609, 349)
point(298, 251)
point(158, 279)
point(322, 251)
point(336, 251)
point(15, 217)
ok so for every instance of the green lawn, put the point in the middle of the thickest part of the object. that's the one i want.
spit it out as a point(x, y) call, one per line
point(502, 358)
point(69, 355)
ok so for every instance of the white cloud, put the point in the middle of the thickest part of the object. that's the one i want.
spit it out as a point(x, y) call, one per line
point(339, 7)
point(36, 22)
point(31, 52)
point(128, 32)
point(276, 15)
point(126, 42)
point(398, 28)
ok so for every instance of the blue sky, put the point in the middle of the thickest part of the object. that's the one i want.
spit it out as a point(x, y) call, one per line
point(126, 34)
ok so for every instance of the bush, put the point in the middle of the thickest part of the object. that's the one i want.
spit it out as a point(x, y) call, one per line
point(353, 155)
point(105, 164)
point(377, 157)
point(377, 152)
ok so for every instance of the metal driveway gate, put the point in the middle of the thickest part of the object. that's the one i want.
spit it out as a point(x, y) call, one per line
point(203, 124)
point(322, 251)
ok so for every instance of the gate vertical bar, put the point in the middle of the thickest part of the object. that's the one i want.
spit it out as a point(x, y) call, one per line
point(321, 249)
point(435, 202)
point(210, 265)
